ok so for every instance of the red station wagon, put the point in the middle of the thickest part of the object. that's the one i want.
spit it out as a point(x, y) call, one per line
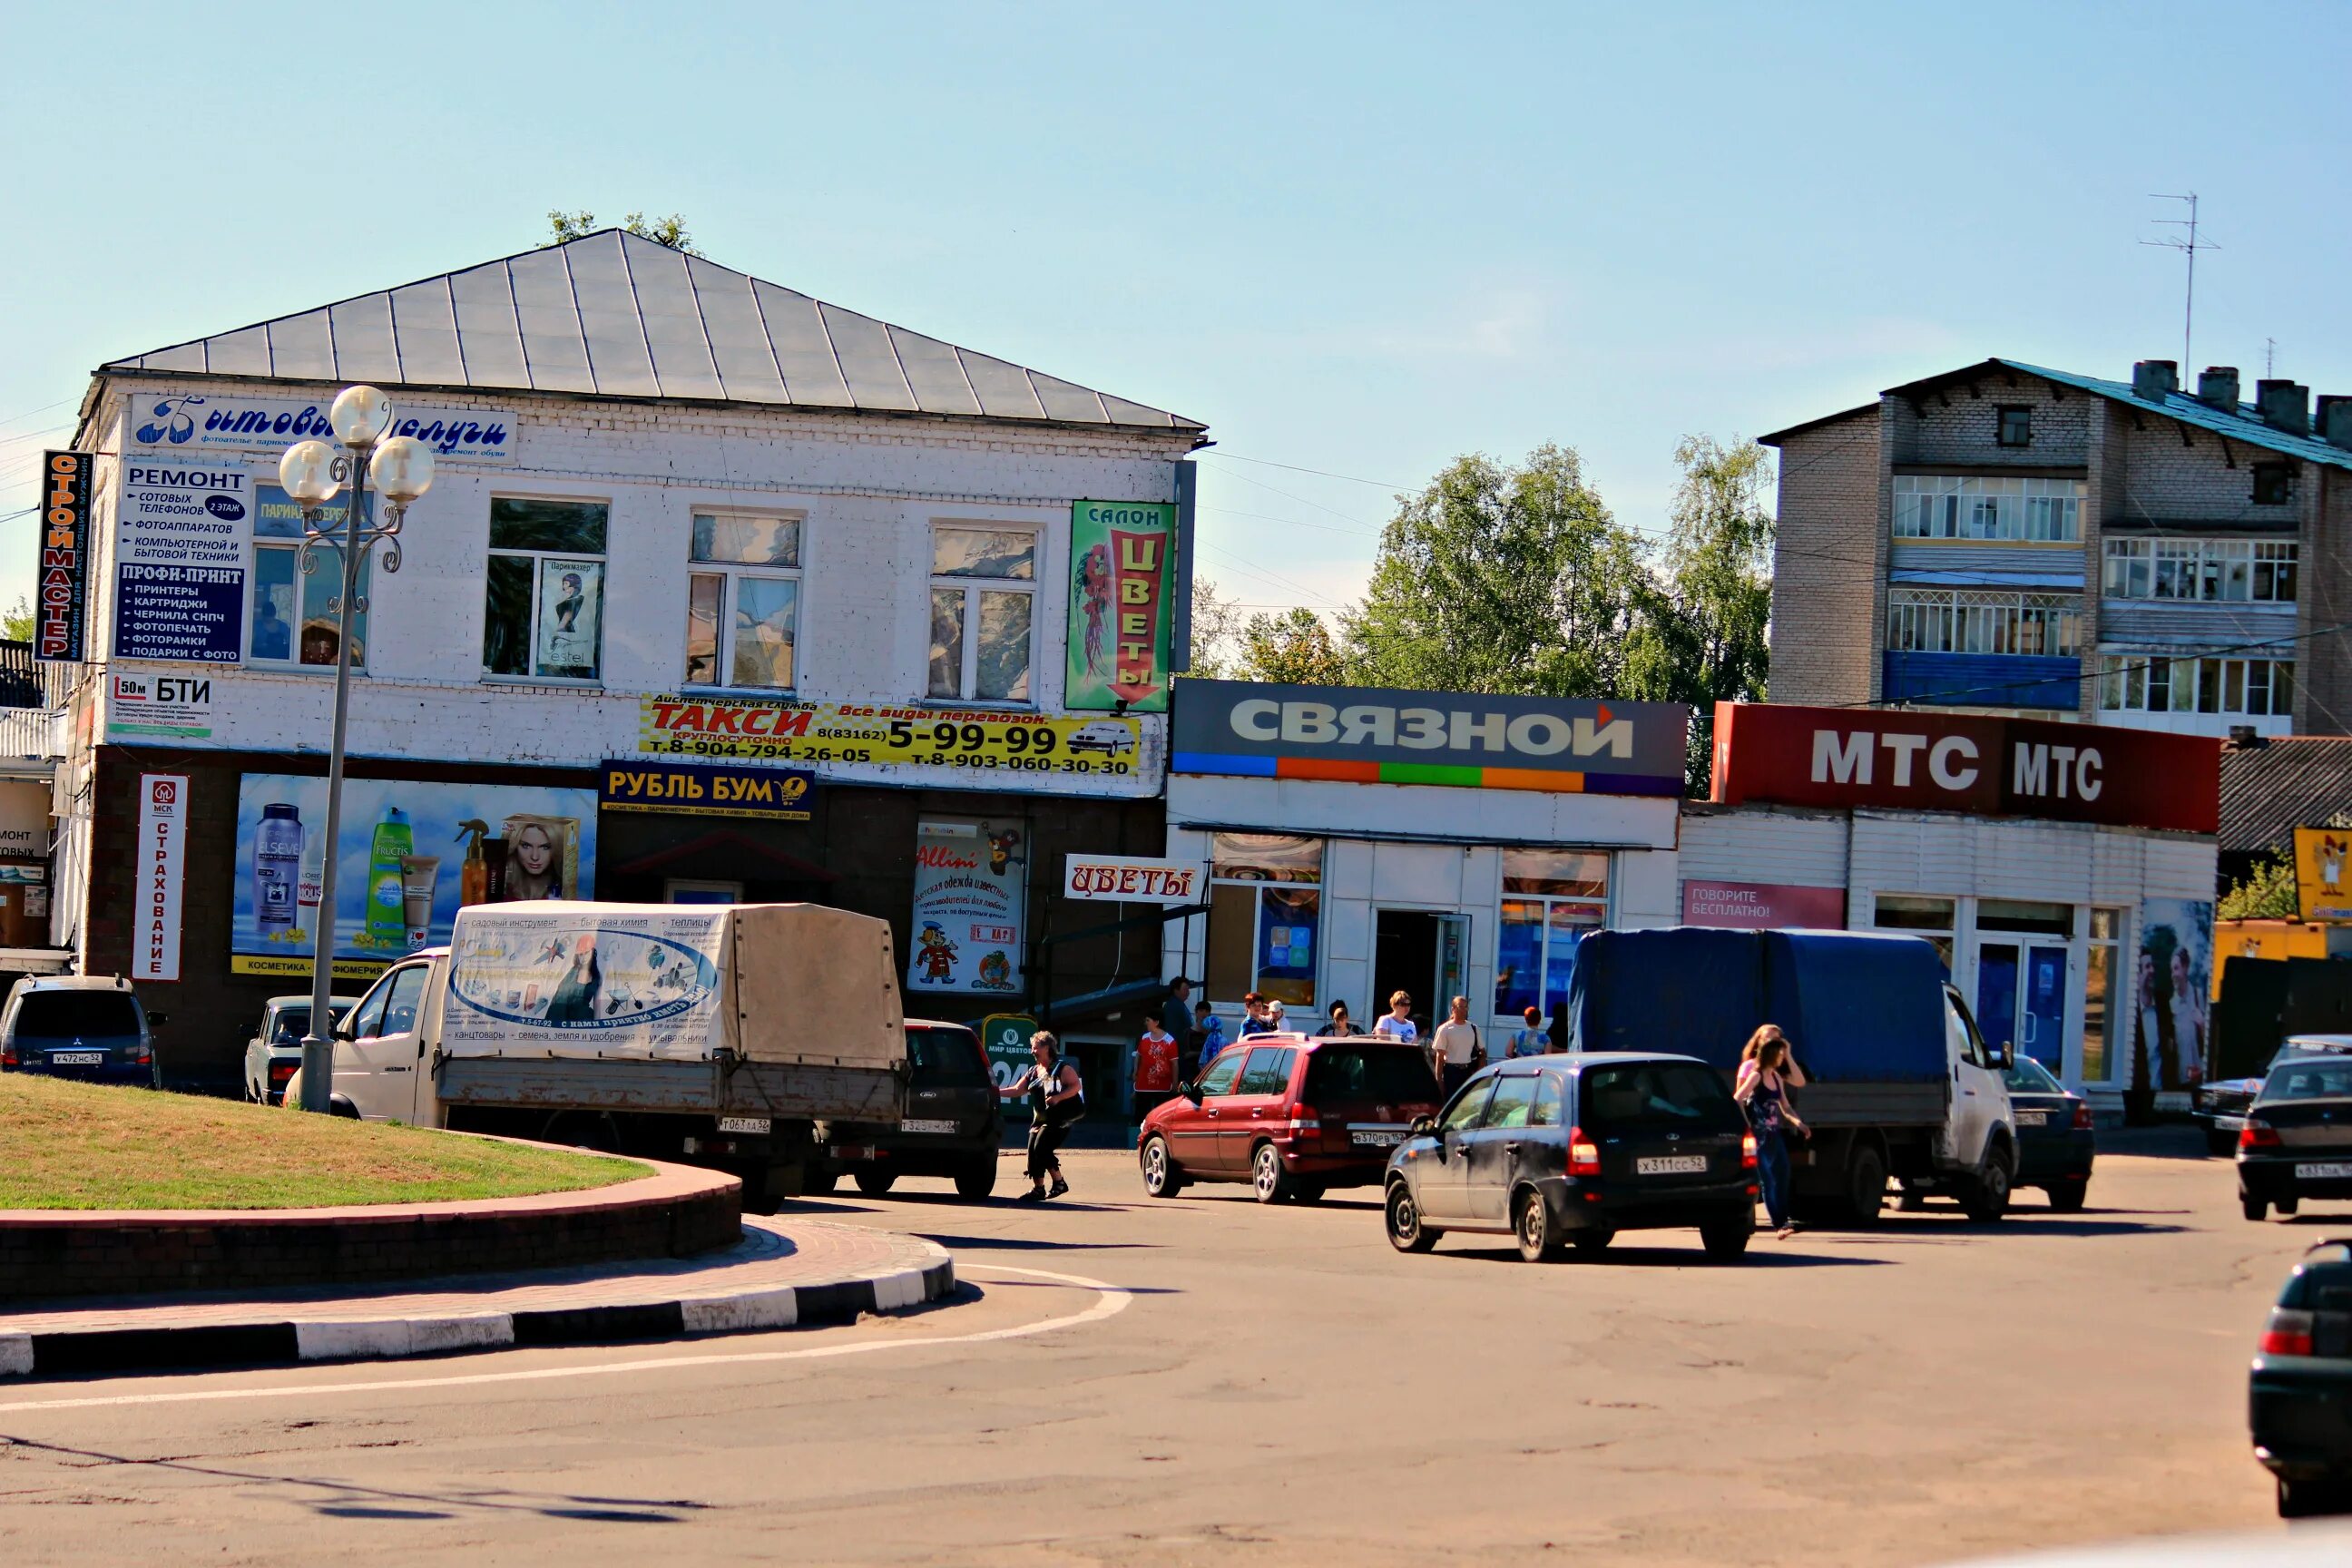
point(1290, 1115)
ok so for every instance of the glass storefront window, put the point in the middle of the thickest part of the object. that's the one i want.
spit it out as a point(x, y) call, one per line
point(1935, 918)
point(1536, 938)
point(2022, 915)
point(1564, 873)
point(1265, 916)
point(1266, 858)
point(2101, 957)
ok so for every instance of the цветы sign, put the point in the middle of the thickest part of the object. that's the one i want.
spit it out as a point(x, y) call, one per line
point(1126, 879)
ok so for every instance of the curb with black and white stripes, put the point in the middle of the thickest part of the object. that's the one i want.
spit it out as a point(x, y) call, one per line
point(102, 1351)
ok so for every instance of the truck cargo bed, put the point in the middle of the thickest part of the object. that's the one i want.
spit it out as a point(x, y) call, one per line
point(715, 1087)
point(1829, 1105)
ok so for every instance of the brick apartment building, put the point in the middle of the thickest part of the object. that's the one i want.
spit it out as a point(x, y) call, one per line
point(2016, 538)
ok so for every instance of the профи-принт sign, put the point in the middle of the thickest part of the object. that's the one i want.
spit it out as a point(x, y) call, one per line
point(180, 534)
point(212, 422)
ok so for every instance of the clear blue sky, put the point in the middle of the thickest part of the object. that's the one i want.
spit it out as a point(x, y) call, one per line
point(1354, 238)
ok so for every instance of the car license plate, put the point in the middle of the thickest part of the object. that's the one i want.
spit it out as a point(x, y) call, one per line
point(77, 1058)
point(1671, 1164)
point(759, 1124)
point(926, 1124)
point(853, 1150)
point(1374, 1137)
point(2033, 1119)
point(2329, 1172)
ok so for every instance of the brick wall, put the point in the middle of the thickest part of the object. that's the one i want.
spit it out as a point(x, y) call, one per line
point(2322, 698)
point(1959, 423)
point(1828, 563)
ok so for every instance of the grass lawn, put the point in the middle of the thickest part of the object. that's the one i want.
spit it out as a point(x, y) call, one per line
point(94, 1146)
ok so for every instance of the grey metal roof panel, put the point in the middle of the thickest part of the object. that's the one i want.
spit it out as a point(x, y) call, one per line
point(2270, 789)
point(614, 314)
point(2246, 425)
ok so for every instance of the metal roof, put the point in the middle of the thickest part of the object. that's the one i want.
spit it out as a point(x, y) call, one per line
point(2272, 788)
point(612, 314)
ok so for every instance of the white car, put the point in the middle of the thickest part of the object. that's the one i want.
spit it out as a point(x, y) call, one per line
point(273, 1052)
point(1108, 736)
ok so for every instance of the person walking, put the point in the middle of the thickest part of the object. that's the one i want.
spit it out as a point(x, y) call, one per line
point(1397, 1023)
point(1056, 1098)
point(1767, 1072)
point(1210, 1031)
point(1155, 1066)
point(1175, 1016)
point(1342, 1026)
point(1534, 1040)
point(1454, 1048)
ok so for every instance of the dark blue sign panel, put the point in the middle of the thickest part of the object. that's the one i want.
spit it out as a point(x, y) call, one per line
point(194, 614)
point(694, 789)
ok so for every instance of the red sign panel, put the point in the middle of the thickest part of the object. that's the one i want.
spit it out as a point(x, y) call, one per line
point(1953, 762)
point(1763, 906)
point(1138, 579)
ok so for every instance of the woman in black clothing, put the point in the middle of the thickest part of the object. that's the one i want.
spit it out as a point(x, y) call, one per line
point(1056, 1098)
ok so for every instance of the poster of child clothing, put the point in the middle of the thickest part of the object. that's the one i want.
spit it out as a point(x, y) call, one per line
point(2175, 979)
point(572, 602)
point(969, 881)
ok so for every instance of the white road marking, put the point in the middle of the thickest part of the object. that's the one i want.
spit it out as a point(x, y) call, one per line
point(1113, 1301)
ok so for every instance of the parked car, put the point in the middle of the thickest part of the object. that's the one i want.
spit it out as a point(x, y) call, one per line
point(2055, 1139)
point(81, 1026)
point(2222, 1105)
point(950, 1126)
point(2296, 1143)
point(2301, 1381)
point(1290, 1114)
point(1562, 1150)
point(274, 1051)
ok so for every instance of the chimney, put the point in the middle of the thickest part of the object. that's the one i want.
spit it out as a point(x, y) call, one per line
point(2285, 405)
point(2335, 420)
point(2243, 738)
point(2218, 387)
point(2152, 378)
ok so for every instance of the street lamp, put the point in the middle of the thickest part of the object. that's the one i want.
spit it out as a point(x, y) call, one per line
point(311, 473)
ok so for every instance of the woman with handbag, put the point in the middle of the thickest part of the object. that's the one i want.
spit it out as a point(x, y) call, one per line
point(1767, 1072)
point(1056, 1098)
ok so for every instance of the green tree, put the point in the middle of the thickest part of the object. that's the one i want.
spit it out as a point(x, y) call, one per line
point(17, 625)
point(1294, 647)
point(1216, 630)
point(669, 231)
point(2268, 893)
point(1701, 633)
point(1499, 578)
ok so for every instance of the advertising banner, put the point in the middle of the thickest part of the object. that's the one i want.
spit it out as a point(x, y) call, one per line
point(755, 730)
point(171, 707)
point(23, 818)
point(1986, 766)
point(1128, 880)
point(597, 981)
point(63, 569)
point(1759, 906)
point(572, 604)
point(407, 862)
point(2175, 981)
point(1362, 735)
point(216, 422)
point(969, 879)
point(180, 534)
point(2319, 857)
point(163, 871)
point(698, 789)
point(1121, 606)
point(1005, 1036)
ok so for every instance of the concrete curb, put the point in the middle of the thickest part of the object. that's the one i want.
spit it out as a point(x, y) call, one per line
point(108, 1352)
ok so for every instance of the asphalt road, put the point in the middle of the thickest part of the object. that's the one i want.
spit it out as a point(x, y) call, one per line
point(1263, 1385)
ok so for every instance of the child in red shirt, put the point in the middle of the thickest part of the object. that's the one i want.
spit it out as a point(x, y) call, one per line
point(1155, 1066)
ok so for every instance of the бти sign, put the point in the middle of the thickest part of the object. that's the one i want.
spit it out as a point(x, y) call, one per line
point(1992, 767)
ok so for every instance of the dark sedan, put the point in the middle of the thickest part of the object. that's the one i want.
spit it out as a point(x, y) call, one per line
point(2302, 1385)
point(2297, 1140)
point(2055, 1143)
point(2222, 1105)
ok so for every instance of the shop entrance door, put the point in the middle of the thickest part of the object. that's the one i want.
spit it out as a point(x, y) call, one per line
point(1422, 954)
point(2021, 1000)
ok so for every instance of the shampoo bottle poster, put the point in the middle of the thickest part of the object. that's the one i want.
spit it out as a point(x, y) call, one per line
point(402, 873)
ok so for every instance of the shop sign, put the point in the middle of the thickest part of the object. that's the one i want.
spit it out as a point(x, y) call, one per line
point(1005, 1036)
point(1366, 735)
point(1989, 766)
point(211, 421)
point(168, 707)
point(694, 789)
point(1123, 880)
point(1758, 906)
point(2320, 854)
point(1121, 553)
point(968, 878)
point(162, 869)
point(180, 532)
point(753, 729)
point(63, 570)
point(2172, 996)
point(411, 854)
point(23, 818)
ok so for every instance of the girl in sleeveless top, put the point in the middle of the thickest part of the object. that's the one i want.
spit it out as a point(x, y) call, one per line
point(1767, 1072)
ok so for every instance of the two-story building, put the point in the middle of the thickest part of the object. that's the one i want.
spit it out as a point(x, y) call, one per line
point(2010, 538)
point(719, 591)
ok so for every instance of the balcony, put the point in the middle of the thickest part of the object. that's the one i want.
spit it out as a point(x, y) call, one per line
point(1983, 680)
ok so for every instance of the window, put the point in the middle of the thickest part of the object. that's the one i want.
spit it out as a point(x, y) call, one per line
point(1931, 506)
point(545, 596)
point(367, 1018)
point(2136, 683)
point(1266, 902)
point(1464, 1112)
point(2016, 425)
point(76, 1015)
point(945, 1058)
point(403, 997)
point(1514, 1099)
point(1269, 1072)
point(1551, 897)
point(743, 601)
point(2274, 484)
point(983, 592)
point(292, 622)
point(2098, 986)
point(1546, 1112)
point(2207, 571)
point(1932, 918)
point(1219, 1079)
point(1656, 1095)
point(1380, 1075)
point(1967, 620)
point(2028, 916)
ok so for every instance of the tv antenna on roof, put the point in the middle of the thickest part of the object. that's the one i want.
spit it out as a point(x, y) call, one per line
point(2188, 245)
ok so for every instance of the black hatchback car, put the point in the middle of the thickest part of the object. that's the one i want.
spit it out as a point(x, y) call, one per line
point(2296, 1143)
point(1561, 1150)
point(2056, 1139)
point(2302, 1385)
point(950, 1125)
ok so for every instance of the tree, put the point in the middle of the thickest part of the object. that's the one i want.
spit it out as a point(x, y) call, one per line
point(1216, 630)
point(2268, 893)
point(669, 231)
point(1702, 632)
point(1294, 647)
point(17, 625)
point(1500, 579)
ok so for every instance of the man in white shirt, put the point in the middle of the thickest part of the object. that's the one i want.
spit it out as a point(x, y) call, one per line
point(1456, 1046)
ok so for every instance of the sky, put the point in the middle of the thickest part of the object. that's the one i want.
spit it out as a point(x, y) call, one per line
point(1357, 239)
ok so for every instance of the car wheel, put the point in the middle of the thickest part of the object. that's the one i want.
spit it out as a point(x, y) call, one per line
point(1865, 1185)
point(1161, 1178)
point(816, 1184)
point(1592, 1240)
point(1306, 1192)
point(1406, 1233)
point(978, 1178)
point(874, 1183)
point(1532, 1223)
point(2310, 1499)
point(2286, 1207)
point(1268, 1181)
point(1986, 1198)
point(2255, 1209)
point(1728, 1240)
point(1913, 1203)
point(2067, 1197)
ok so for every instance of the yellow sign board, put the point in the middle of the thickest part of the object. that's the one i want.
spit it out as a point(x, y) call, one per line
point(2322, 856)
point(294, 966)
point(981, 739)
